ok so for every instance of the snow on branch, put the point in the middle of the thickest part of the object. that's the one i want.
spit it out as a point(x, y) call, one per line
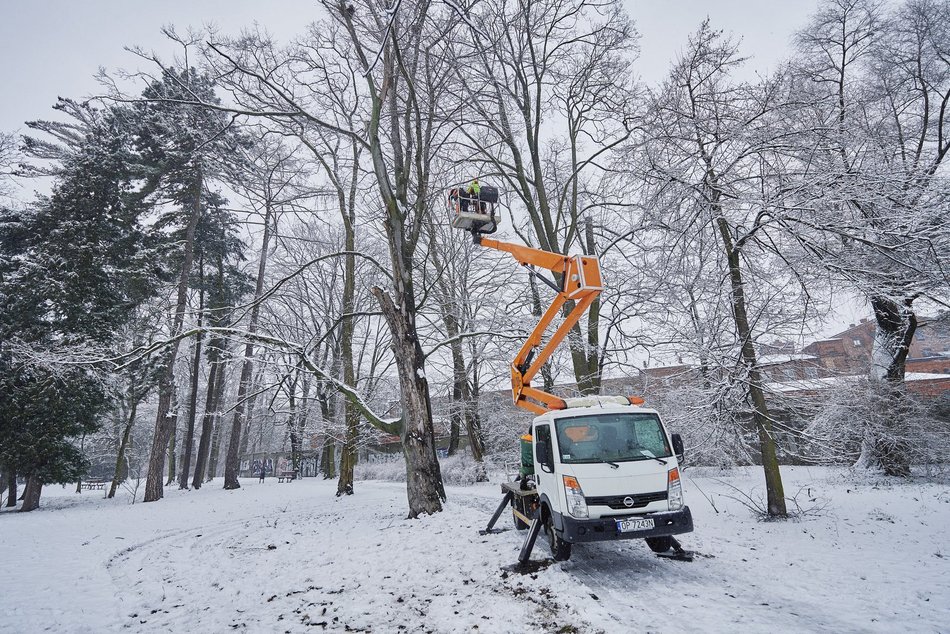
point(479, 333)
point(389, 426)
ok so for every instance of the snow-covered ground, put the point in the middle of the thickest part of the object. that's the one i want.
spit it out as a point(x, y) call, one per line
point(292, 557)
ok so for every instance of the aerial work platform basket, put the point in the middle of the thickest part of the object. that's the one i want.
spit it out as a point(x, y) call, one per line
point(477, 213)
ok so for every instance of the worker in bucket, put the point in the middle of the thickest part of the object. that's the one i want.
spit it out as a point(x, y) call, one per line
point(474, 192)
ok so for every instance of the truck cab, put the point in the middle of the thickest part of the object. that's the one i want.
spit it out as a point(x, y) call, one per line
point(608, 472)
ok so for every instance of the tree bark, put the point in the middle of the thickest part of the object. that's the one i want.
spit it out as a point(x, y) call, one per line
point(328, 459)
point(215, 454)
point(172, 439)
point(153, 482)
point(31, 494)
point(11, 488)
point(233, 462)
point(424, 476)
point(455, 420)
point(775, 492)
point(895, 329)
point(207, 444)
point(189, 442)
point(207, 424)
point(117, 476)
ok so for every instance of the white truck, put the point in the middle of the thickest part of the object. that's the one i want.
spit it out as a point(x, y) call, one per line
point(602, 467)
point(602, 471)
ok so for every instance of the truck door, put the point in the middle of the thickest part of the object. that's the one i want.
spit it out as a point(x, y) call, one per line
point(544, 471)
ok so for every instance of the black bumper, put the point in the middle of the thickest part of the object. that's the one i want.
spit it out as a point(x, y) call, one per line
point(605, 529)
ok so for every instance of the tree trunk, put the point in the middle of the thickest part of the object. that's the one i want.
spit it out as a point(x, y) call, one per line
point(82, 444)
point(31, 494)
point(455, 421)
point(896, 326)
point(207, 444)
point(351, 415)
point(424, 476)
point(123, 446)
point(215, 453)
point(775, 492)
point(328, 459)
point(207, 424)
point(153, 482)
point(193, 394)
point(172, 438)
point(11, 488)
point(473, 424)
point(233, 461)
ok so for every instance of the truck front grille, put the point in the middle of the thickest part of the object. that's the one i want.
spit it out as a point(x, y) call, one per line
point(616, 501)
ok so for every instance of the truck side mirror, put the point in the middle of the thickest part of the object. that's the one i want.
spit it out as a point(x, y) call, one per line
point(544, 454)
point(678, 447)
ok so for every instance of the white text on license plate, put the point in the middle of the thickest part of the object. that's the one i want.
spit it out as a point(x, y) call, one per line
point(627, 526)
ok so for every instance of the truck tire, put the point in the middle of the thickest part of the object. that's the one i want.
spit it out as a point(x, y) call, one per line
point(659, 544)
point(560, 549)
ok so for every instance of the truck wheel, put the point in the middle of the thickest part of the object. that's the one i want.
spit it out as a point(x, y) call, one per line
point(560, 549)
point(659, 544)
point(521, 526)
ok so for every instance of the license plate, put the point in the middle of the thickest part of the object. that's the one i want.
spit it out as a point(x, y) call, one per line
point(632, 525)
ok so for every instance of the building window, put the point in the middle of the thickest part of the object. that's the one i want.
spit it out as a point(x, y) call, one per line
point(857, 343)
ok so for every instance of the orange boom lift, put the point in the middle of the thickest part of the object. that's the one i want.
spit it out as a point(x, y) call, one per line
point(580, 282)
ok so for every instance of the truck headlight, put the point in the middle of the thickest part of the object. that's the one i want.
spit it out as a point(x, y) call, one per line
point(576, 504)
point(674, 490)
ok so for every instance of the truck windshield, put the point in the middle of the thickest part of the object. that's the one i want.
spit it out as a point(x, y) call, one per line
point(611, 438)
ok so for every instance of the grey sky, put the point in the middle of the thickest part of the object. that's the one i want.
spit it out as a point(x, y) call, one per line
point(53, 48)
point(50, 48)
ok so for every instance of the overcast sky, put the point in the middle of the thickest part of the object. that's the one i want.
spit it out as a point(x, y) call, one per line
point(50, 48)
point(53, 48)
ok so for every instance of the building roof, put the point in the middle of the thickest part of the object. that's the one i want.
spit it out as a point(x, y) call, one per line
point(773, 359)
point(814, 385)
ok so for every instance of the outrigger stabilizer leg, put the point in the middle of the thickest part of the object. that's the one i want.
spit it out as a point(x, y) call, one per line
point(533, 529)
point(494, 518)
point(677, 554)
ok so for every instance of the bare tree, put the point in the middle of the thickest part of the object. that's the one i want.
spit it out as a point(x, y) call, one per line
point(707, 139)
point(876, 82)
point(566, 63)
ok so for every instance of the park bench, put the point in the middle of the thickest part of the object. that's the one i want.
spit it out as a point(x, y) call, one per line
point(286, 476)
point(94, 484)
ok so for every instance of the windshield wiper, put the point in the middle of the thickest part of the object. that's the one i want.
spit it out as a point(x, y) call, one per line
point(650, 454)
point(612, 464)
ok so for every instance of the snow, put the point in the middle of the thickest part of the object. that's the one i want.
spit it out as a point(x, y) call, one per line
point(289, 557)
point(837, 381)
point(596, 401)
point(773, 359)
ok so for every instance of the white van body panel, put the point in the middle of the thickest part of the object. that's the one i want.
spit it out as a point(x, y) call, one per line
point(601, 480)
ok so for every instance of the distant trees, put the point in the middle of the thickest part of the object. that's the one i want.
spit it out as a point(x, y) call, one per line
point(721, 209)
point(183, 147)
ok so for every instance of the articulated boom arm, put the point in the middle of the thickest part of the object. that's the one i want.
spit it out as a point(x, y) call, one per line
point(581, 282)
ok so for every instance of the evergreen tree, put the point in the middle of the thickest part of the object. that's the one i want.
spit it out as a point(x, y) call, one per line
point(184, 146)
point(73, 266)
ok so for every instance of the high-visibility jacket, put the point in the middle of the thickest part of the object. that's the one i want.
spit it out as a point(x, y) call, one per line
point(475, 188)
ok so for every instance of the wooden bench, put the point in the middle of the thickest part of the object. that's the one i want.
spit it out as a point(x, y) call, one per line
point(94, 484)
point(286, 476)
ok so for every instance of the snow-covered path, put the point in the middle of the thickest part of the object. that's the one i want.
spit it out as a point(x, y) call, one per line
point(292, 557)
